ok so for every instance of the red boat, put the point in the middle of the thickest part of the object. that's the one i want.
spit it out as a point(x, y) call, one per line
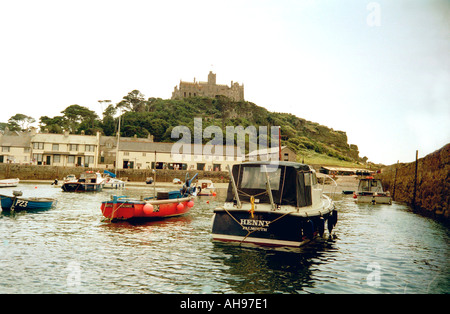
point(123, 208)
point(166, 204)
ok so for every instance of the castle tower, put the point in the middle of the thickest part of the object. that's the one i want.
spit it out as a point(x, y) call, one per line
point(211, 78)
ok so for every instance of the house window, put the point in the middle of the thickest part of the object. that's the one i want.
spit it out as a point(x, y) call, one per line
point(286, 157)
point(71, 159)
point(5, 149)
point(38, 145)
point(73, 147)
point(126, 153)
point(90, 148)
point(37, 157)
point(55, 147)
point(56, 158)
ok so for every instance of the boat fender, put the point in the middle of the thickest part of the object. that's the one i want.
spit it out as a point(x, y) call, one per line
point(148, 209)
point(190, 204)
point(180, 206)
point(308, 229)
point(334, 215)
point(321, 226)
point(330, 224)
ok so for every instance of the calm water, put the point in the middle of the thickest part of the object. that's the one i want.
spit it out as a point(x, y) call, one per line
point(69, 249)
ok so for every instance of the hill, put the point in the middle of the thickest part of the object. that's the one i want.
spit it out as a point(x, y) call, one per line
point(311, 141)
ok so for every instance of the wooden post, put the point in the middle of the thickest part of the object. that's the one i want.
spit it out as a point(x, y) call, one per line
point(415, 183)
point(395, 181)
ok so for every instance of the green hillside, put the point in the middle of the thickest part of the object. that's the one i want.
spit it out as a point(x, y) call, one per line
point(141, 117)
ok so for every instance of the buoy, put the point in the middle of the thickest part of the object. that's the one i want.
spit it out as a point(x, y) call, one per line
point(214, 193)
point(148, 209)
point(190, 204)
point(180, 206)
point(207, 202)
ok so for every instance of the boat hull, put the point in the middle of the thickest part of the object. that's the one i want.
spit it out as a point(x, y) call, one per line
point(373, 199)
point(134, 209)
point(269, 228)
point(22, 203)
point(81, 187)
point(7, 183)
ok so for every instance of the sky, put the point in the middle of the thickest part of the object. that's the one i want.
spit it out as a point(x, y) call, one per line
point(377, 70)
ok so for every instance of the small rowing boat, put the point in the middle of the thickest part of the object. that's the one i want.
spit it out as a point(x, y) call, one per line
point(16, 202)
point(7, 183)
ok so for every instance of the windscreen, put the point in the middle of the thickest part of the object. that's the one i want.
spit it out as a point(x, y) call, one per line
point(255, 178)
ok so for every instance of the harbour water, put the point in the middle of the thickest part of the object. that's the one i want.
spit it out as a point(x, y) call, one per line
point(71, 249)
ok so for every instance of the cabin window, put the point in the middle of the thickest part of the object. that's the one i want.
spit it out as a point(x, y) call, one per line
point(255, 178)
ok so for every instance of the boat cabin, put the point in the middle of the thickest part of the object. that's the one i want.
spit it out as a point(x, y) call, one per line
point(370, 185)
point(90, 177)
point(291, 183)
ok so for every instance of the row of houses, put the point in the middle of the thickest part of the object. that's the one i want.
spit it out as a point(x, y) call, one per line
point(98, 151)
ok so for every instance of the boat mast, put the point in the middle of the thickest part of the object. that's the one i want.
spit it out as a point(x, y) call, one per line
point(117, 147)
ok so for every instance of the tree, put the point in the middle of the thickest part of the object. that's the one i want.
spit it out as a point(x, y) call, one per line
point(20, 122)
point(134, 101)
point(76, 114)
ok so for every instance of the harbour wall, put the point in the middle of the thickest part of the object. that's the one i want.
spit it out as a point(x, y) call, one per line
point(432, 183)
point(33, 172)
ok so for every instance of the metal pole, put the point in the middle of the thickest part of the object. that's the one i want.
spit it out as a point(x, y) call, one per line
point(233, 183)
point(415, 182)
point(268, 188)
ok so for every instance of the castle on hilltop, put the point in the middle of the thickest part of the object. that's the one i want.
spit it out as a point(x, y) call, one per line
point(208, 89)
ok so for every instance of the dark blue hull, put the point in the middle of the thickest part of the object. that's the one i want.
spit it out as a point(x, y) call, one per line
point(82, 187)
point(267, 228)
point(26, 203)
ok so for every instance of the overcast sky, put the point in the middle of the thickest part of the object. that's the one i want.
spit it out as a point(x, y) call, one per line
point(378, 70)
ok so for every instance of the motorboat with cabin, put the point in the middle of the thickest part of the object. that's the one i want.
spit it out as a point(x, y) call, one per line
point(273, 204)
point(89, 181)
point(370, 190)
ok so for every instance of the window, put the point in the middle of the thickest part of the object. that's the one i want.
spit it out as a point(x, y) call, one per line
point(88, 160)
point(38, 145)
point(5, 149)
point(90, 148)
point(286, 157)
point(71, 159)
point(56, 158)
point(73, 147)
point(55, 147)
point(37, 157)
point(126, 153)
point(26, 150)
point(255, 178)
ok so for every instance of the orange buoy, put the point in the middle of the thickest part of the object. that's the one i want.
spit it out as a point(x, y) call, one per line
point(148, 209)
point(190, 204)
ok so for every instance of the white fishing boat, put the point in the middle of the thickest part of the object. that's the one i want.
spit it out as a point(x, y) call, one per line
point(206, 188)
point(6, 183)
point(111, 181)
point(273, 205)
point(370, 190)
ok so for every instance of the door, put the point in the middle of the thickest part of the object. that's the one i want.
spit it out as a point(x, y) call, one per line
point(48, 160)
point(78, 161)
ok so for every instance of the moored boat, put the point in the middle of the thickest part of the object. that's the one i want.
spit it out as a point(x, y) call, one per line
point(111, 181)
point(6, 183)
point(164, 205)
point(370, 190)
point(206, 188)
point(89, 181)
point(17, 203)
point(273, 205)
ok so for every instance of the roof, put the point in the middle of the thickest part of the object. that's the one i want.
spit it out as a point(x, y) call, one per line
point(295, 165)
